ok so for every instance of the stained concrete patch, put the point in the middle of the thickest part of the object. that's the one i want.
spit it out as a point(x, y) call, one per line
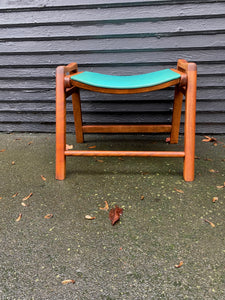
point(163, 221)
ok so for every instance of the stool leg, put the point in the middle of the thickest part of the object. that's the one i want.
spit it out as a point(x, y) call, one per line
point(60, 124)
point(177, 106)
point(77, 113)
point(189, 129)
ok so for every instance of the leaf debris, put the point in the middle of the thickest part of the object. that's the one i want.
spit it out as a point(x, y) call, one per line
point(68, 281)
point(215, 199)
point(179, 265)
point(27, 197)
point(210, 139)
point(114, 214)
point(48, 216)
point(221, 186)
point(88, 217)
point(106, 207)
point(43, 177)
point(211, 223)
point(179, 191)
point(19, 218)
point(69, 147)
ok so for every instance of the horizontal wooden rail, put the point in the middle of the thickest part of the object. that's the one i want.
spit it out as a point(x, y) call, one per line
point(125, 128)
point(124, 153)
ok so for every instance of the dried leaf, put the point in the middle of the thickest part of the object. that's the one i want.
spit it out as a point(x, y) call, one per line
point(168, 140)
point(142, 197)
point(91, 147)
point(68, 281)
point(179, 265)
point(43, 178)
point(106, 207)
point(13, 196)
point(2, 150)
point(197, 157)
point(69, 147)
point(179, 191)
point(207, 159)
point(100, 160)
point(221, 186)
point(0, 198)
point(215, 199)
point(209, 139)
point(19, 218)
point(13, 163)
point(49, 216)
point(88, 217)
point(207, 221)
point(114, 214)
point(213, 171)
point(30, 143)
point(27, 197)
point(24, 204)
point(120, 158)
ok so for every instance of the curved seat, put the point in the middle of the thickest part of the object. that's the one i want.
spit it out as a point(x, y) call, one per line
point(126, 82)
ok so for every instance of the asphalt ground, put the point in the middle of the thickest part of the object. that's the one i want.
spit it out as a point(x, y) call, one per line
point(166, 221)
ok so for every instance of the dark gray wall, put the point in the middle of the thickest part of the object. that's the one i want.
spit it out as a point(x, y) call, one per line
point(114, 37)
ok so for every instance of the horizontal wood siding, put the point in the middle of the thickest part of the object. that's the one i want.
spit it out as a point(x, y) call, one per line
point(118, 37)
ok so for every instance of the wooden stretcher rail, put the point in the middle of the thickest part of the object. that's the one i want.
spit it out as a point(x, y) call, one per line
point(125, 128)
point(124, 153)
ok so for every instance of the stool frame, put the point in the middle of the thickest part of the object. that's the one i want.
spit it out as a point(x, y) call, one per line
point(184, 86)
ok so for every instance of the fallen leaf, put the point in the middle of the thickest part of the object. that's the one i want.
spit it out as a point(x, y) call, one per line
point(207, 159)
point(179, 265)
point(69, 147)
point(88, 217)
point(221, 186)
point(142, 197)
point(197, 157)
point(120, 158)
point(68, 281)
point(30, 143)
point(27, 197)
point(106, 207)
point(209, 139)
point(214, 199)
point(49, 216)
point(24, 204)
point(13, 163)
point(213, 171)
point(43, 178)
point(207, 221)
point(100, 160)
point(19, 218)
point(144, 173)
point(114, 214)
point(13, 196)
point(0, 198)
point(91, 147)
point(179, 191)
point(168, 140)
point(2, 150)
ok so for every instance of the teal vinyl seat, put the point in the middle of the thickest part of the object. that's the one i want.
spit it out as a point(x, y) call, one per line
point(126, 82)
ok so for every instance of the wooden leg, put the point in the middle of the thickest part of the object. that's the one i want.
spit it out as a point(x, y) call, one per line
point(77, 116)
point(60, 124)
point(189, 129)
point(177, 106)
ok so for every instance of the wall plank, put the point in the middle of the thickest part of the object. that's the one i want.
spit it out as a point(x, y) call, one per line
point(116, 37)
